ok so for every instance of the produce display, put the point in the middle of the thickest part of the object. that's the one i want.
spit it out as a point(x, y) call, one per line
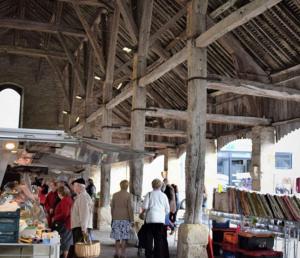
point(22, 218)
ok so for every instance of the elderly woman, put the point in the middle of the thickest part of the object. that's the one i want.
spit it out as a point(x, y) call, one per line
point(62, 219)
point(156, 207)
point(122, 218)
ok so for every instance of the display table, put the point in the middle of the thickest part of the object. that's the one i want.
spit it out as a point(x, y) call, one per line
point(18, 250)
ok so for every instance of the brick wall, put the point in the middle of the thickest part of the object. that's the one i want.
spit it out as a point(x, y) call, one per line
point(42, 98)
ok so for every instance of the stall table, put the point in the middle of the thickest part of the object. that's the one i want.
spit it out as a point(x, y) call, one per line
point(19, 250)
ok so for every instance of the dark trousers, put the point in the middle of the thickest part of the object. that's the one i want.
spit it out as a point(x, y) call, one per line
point(158, 233)
point(77, 237)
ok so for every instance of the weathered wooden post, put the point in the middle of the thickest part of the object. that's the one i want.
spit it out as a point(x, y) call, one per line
point(193, 238)
point(139, 103)
point(104, 213)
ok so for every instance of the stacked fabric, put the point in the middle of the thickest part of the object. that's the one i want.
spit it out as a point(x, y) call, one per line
point(259, 205)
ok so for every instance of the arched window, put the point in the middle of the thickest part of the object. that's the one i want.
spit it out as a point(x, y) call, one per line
point(10, 106)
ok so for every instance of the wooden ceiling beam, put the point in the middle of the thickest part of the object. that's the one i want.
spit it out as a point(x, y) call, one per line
point(40, 27)
point(234, 20)
point(32, 52)
point(151, 131)
point(148, 144)
point(126, 93)
point(91, 36)
point(72, 61)
point(286, 75)
point(129, 21)
point(95, 3)
point(211, 118)
point(252, 88)
point(164, 68)
point(237, 18)
point(221, 9)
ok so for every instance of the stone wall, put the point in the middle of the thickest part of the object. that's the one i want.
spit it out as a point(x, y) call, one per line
point(42, 98)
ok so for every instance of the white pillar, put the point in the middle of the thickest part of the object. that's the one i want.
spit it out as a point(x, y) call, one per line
point(211, 160)
point(263, 158)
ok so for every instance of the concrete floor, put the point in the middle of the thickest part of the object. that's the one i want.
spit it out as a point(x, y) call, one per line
point(107, 245)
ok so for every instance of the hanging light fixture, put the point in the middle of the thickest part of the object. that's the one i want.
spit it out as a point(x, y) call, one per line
point(10, 146)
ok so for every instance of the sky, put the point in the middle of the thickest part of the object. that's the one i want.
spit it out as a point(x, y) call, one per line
point(9, 108)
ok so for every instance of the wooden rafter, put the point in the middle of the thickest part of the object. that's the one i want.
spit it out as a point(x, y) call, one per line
point(252, 88)
point(95, 3)
point(151, 131)
point(221, 9)
point(72, 61)
point(34, 52)
point(128, 20)
point(234, 20)
point(40, 27)
point(231, 22)
point(211, 118)
point(91, 36)
point(286, 75)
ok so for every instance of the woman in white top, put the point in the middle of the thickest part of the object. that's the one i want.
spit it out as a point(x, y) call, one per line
point(156, 206)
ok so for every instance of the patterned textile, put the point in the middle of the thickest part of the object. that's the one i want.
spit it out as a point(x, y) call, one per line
point(120, 229)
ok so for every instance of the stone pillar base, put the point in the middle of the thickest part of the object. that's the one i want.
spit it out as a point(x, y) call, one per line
point(104, 217)
point(192, 241)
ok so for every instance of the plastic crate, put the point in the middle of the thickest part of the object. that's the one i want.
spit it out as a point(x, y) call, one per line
point(218, 233)
point(9, 226)
point(216, 224)
point(9, 221)
point(252, 241)
point(10, 214)
point(227, 254)
point(9, 237)
point(259, 254)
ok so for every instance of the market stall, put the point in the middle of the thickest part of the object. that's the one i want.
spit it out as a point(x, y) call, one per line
point(26, 154)
point(268, 224)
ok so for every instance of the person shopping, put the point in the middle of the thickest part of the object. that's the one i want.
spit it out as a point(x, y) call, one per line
point(156, 207)
point(122, 219)
point(81, 214)
point(51, 201)
point(62, 219)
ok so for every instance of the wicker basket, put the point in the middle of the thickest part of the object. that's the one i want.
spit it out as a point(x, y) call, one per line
point(87, 250)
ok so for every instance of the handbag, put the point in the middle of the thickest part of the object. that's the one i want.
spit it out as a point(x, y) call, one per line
point(58, 226)
point(143, 214)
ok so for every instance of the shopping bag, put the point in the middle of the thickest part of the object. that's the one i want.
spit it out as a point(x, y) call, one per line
point(133, 238)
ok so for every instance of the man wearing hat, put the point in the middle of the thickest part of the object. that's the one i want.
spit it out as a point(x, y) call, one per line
point(82, 211)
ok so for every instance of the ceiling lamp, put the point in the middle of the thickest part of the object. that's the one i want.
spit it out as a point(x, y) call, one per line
point(65, 112)
point(97, 78)
point(10, 146)
point(77, 119)
point(119, 85)
point(127, 49)
point(78, 97)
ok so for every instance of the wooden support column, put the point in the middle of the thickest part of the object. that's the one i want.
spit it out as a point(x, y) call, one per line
point(139, 103)
point(197, 98)
point(263, 158)
point(89, 81)
point(107, 96)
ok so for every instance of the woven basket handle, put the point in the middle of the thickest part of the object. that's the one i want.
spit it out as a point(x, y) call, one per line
point(86, 239)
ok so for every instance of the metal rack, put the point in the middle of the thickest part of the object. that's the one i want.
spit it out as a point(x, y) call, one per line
point(286, 232)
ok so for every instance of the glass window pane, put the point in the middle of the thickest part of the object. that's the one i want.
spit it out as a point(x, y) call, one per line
point(10, 101)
